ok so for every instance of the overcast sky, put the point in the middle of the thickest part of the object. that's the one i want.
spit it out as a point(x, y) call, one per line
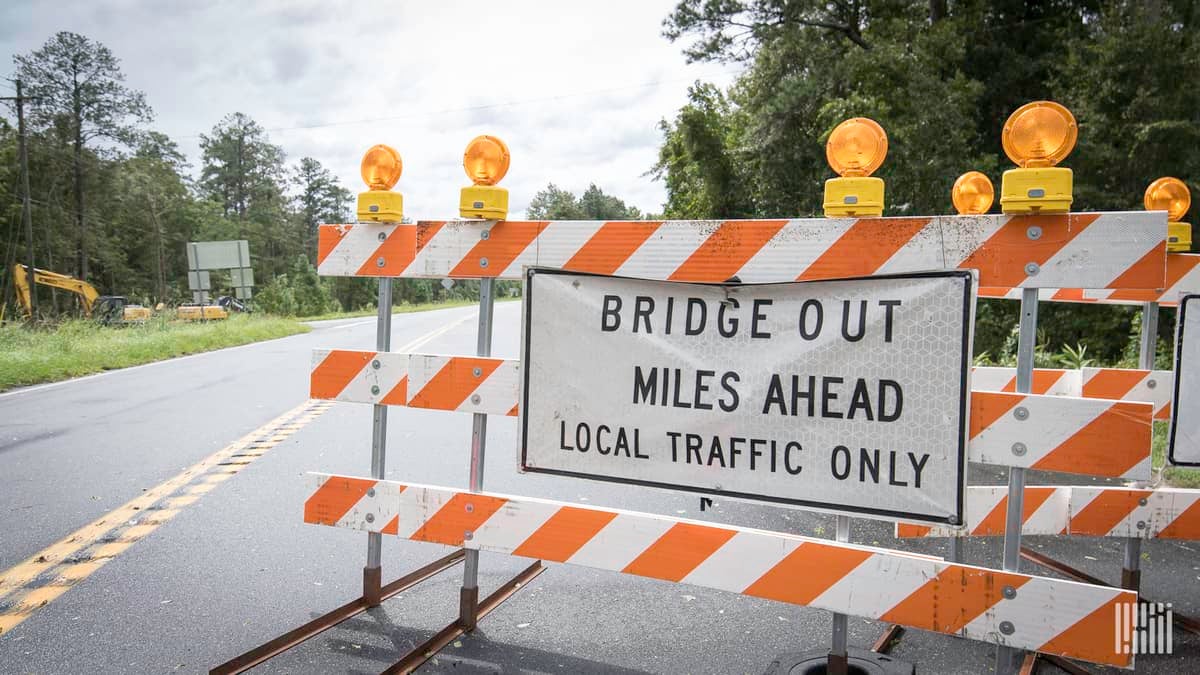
point(576, 89)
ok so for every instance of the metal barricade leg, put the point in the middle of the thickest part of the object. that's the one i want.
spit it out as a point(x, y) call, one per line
point(1009, 659)
point(1131, 573)
point(372, 573)
point(469, 595)
point(838, 659)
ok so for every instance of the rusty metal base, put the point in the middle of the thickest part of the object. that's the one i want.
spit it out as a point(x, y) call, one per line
point(373, 594)
point(1185, 622)
point(888, 639)
point(422, 653)
point(1030, 665)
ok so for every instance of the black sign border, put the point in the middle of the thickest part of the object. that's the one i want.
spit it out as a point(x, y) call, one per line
point(1180, 322)
point(955, 520)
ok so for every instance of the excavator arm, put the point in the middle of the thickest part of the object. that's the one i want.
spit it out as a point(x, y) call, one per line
point(87, 293)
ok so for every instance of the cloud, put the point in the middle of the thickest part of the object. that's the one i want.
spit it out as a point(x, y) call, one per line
point(575, 90)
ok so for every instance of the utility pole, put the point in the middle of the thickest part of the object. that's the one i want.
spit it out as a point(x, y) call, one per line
point(26, 215)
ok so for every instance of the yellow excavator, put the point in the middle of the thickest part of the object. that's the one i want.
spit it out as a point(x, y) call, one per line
point(106, 309)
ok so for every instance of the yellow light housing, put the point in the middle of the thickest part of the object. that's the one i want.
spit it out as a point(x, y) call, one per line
point(856, 148)
point(1036, 138)
point(972, 193)
point(1172, 195)
point(381, 168)
point(486, 162)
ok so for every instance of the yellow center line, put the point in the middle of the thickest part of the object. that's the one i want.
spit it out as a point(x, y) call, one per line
point(20, 596)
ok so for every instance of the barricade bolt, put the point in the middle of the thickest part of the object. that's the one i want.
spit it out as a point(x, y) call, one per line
point(1032, 269)
point(483, 262)
point(1021, 413)
point(383, 236)
point(1150, 384)
point(375, 364)
point(1034, 233)
point(475, 399)
point(374, 390)
point(1007, 627)
point(1010, 592)
point(1142, 501)
point(477, 372)
point(380, 262)
point(370, 517)
point(370, 492)
point(1019, 449)
point(486, 234)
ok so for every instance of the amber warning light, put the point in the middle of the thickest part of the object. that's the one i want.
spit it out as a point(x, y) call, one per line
point(856, 148)
point(381, 168)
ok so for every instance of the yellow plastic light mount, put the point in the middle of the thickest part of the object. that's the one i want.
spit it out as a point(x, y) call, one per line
point(483, 201)
point(382, 206)
point(1033, 191)
point(1179, 237)
point(860, 196)
point(972, 193)
point(381, 168)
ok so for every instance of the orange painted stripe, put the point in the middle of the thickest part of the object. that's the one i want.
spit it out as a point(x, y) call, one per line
point(397, 251)
point(398, 395)
point(678, 551)
point(393, 526)
point(1109, 445)
point(564, 533)
point(1186, 526)
point(806, 573)
point(864, 248)
point(726, 251)
point(1164, 413)
point(611, 246)
point(994, 522)
point(513, 412)
point(1103, 513)
point(1091, 638)
point(989, 406)
point(426, 230)
point(334, 499)
point(506, 241)
point(454, 383)
point(1069, 294)
point(1043, 380)
point(328, 237)
point(335, 371)
point(1002, 258)
point(1113, 383)
point(451, 523)
point(953, 598)
point(908, 530)
point(1154, 270)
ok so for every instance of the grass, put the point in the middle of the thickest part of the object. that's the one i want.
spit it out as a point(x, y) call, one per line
point(399, 309)
point(81, 347)
point(1175, 476)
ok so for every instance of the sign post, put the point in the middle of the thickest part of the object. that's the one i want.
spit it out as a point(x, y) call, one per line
point(1183, 447)
point(844, 396)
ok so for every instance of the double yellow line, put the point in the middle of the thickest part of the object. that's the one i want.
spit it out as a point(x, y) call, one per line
point(48, 574)
point(54, 570)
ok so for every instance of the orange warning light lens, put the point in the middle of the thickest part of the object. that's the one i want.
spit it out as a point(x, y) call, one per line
point(972, 193)
point(381, 167)
point(856, 147)
point(1170, 195)
point(1039, 134)
point(486, 160)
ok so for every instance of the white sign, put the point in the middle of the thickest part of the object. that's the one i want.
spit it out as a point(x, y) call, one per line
point(1183, 445)
point(846, 396)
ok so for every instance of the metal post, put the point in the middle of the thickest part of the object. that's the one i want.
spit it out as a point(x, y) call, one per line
point(956, 546)
point(372, 576)
point(468, 602)
point(26, 217)
point(838, 661)
point(1131, 573)
point(1008, 659)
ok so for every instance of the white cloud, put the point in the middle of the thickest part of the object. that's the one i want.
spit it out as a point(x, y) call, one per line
point(575, 89)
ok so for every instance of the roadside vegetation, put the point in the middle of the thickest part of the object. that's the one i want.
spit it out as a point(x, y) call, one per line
point(81, 347)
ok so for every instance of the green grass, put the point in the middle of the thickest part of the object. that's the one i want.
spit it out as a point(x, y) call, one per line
point(399, 309)
point(1174, 476)
point(81, 347)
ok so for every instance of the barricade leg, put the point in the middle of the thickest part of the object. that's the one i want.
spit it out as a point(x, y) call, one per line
point(1131, 572)
point(838, 662)
point(372, 573)
point(469, 595)
point(1008, 659)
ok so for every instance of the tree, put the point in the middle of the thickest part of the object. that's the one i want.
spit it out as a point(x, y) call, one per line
point(154, 192)
point(243, 172)
point(554, 203)
point(79, 91)
point(319, 198)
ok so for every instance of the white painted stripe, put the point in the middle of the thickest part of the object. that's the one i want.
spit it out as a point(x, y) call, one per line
point(621, 541)
point(665, 250)
point(743, 560)
point(799, 241)
point(510, 526)
point(558, 243)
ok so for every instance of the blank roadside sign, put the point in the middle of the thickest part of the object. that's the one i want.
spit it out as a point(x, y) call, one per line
point(847, 396)
point(1183, 446)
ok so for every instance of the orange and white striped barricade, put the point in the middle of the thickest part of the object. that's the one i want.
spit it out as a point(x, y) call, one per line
point(1048, 615)
point(1182, 278)
point(1105, 251)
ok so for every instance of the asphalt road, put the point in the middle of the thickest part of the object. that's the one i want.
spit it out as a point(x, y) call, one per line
point(235, 566)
